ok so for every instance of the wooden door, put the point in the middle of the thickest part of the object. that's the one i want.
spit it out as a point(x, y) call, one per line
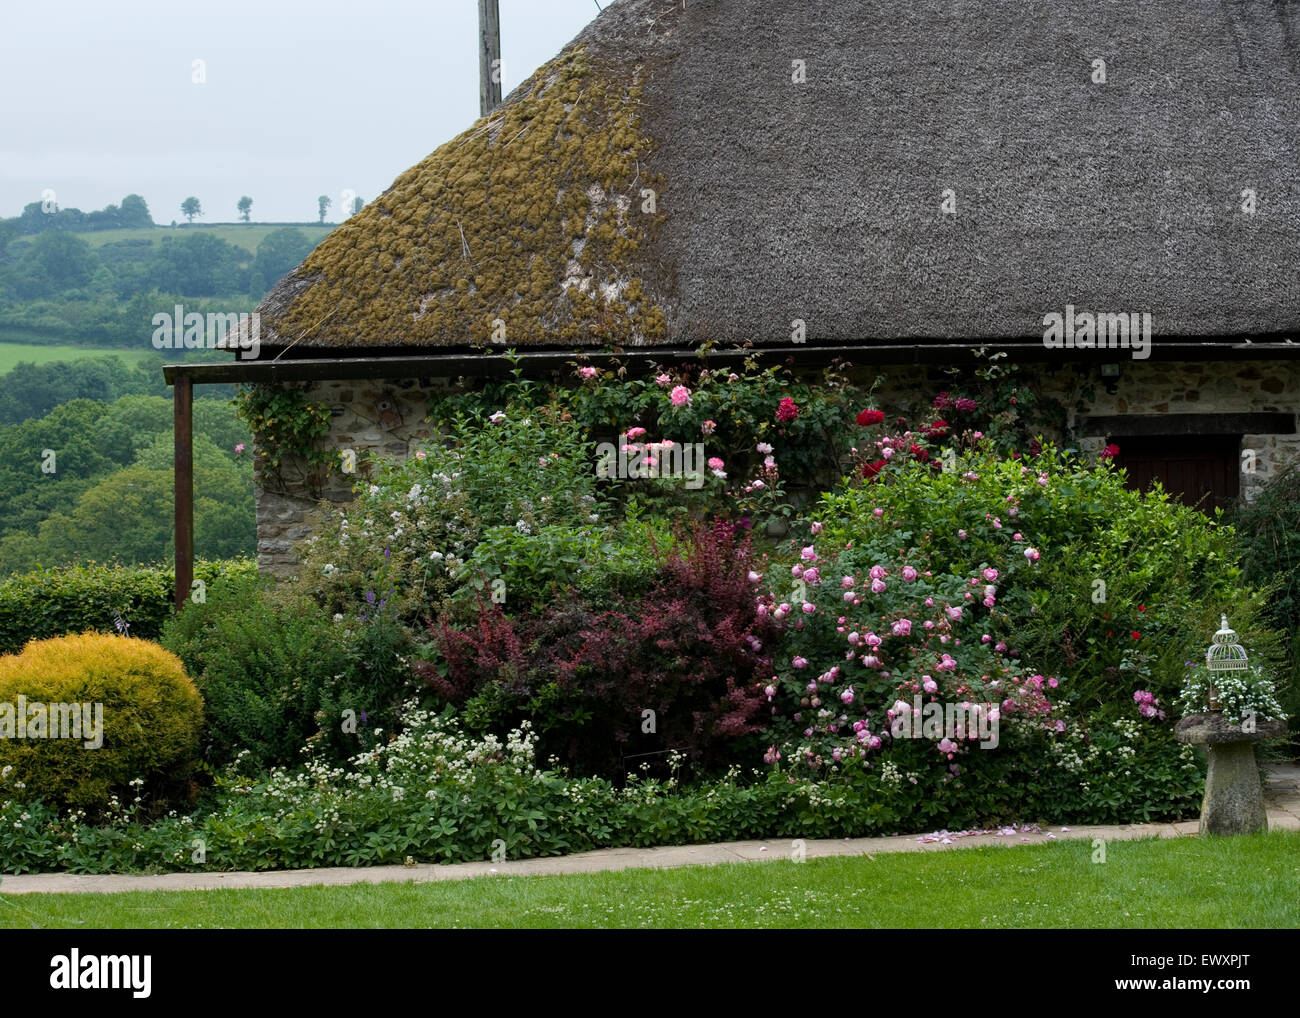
point(1199, 470)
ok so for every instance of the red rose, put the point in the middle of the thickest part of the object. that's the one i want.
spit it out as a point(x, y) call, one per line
point(919, 452)
point(1136, 635)
point(965, 405)
point(786, 410)
point(1110, 451)
point(868, 417)
point(942, 401)
point(872, 470)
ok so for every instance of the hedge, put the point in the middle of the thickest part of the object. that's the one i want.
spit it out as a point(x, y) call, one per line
point(73, 599)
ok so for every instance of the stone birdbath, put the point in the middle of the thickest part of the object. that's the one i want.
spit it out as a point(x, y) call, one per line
point(1234, 798)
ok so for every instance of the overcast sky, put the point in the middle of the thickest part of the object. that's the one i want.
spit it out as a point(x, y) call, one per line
point(301, 99)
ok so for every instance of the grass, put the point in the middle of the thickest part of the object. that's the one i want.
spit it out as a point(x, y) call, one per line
point(245, 236)
point(1223, 883)
point(12, 353)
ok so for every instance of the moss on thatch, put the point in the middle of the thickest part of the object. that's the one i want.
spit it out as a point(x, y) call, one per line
point(529, 219)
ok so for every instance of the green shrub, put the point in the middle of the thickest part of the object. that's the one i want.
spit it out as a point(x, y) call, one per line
point(1126, 587)
point(74, 599)
point(144, 719)
point(276, 672)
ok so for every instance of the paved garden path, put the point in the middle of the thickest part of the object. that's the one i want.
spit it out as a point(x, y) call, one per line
point(1282, 797)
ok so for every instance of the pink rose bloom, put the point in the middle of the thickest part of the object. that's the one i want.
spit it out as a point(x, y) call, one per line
point(878, 572)
point(715, 463)
point(754, 577)
point(771, 756)
point(588, 372)
point(816, 528)
point(909, 573)
point(903, 627)
point(770, 692)
point(708, 427)
point(990, 574)
point(877, 586)
point(848, 581)
point(878, 512)
point(847, 696)
point(928, 684)
point(1017, 536)
point(758, 485)
point(1000, 647)
point(849, 596)
point(812, 575)
point(681, 396)
point(854, 638)
point(1032, 554)
point(954, 613)
point(947, 664)
point(874, 742)
point(961, 534)
point(1053, 683)
point(809, 554)
point(800, 662)
point(809, 607)
point(929, 624)
point(796, 570)
point(872, 640)
point(947, 747)
point(764, 448)
point(240, 448)
point(986, 638)
point(662, 380)
point(635, 432)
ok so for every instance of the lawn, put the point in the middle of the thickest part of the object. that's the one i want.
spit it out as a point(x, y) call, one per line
point(13, 353)
point(1230, 883)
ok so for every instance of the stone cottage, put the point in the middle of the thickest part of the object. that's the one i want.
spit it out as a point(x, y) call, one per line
point(1107, 190)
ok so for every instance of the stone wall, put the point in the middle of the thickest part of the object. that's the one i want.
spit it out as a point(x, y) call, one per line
point(376, 418)
point(390, 419)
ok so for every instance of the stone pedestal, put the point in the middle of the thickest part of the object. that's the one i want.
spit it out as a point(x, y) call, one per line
point(1234, 798)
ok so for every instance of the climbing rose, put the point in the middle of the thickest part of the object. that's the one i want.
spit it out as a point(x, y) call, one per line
point(715, 463)
point(868, 417)
point(1110, 451)
point(681, 396)
point(787, 410)
point(588, 372)
point(662, 380)
point(965, 405)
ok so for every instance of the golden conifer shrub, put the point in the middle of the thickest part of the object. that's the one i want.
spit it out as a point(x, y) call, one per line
point(83, 718)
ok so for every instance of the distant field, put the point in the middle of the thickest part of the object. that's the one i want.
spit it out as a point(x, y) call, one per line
point(12, 353)
point(247, 237)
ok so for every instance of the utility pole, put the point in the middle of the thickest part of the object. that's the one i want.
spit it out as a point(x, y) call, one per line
point(489, 55)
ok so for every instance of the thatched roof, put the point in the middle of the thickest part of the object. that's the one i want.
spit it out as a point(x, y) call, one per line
point(822, 200)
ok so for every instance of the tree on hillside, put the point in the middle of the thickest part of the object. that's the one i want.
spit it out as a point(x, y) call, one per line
point(56, 262)
point(357, 204)
point(323, 202)
point(199, 265)
point(190, 207)
point(134, 212)
point(279, 253)
point(245, 207)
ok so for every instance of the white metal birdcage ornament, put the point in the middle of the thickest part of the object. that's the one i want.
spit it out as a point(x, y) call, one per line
point(1225, 655)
